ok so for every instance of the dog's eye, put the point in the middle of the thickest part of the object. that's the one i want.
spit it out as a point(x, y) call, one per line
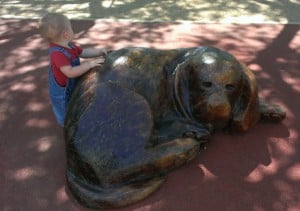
point(206, 84)
point(230, 87)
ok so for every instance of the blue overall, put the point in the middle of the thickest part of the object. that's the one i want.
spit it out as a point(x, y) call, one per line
point(60, 96)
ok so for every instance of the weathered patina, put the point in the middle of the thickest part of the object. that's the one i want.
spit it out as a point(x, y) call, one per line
point(145, 112)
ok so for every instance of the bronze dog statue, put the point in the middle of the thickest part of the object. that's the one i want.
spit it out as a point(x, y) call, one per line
point(146, 112)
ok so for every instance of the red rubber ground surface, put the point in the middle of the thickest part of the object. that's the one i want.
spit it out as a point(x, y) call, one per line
point(259, 170)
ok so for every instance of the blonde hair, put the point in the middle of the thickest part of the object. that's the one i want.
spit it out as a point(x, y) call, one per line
point(53, 25)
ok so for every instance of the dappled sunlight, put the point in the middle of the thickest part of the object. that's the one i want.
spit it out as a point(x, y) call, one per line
point(281, 60)
point(255, 18)
point(107, 3)
point(19, 60)
point(294, 43)
point(21, 55)
point(24, 87)
point(293, 132)
point(3, 41)
point(209, 176)
point(255, 67)
point(33, 67)
point(265, 75)
point(20, 76)
point(272, 169)
point(292, 81)
point(195, 10)
point(157, 205)
point(6, 109)
point(27, 173)
point(257, 175)
point(121, 34)
point(293, 172)
point(43, 145)
point(38, 123)
point(283, 153)
point(243, 167)
point(35, 106)
point(287, 194)
point(61, 195)
point(282, 186)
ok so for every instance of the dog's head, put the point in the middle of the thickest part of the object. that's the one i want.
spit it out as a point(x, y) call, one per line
point(211, 86)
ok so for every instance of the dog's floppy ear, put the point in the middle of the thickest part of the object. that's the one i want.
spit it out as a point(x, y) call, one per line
point(181, 92)
point(246, 108)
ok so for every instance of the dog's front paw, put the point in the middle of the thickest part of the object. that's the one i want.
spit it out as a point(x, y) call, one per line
point(201, 134)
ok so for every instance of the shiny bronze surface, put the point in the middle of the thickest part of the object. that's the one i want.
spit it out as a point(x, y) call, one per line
point(146, 112)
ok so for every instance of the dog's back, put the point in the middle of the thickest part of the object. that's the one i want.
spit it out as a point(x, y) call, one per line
point(146, 71)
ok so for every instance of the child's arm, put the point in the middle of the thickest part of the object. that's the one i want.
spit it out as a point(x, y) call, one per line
point(76, 71)
point(93, 52)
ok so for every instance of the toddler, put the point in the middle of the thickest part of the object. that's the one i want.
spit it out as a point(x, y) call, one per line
point(65, 64)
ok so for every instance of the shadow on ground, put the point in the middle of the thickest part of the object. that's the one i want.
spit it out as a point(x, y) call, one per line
point(258, 11)
point(259, 170)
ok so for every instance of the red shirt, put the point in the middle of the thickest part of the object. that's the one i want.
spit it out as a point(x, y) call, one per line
point(58, 59)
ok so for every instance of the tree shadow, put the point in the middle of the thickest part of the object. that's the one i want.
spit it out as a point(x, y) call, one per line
point(32, 146)
point(257, 170)
point(199, 10)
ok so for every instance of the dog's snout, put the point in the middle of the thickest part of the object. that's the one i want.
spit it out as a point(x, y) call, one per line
point(219, 104)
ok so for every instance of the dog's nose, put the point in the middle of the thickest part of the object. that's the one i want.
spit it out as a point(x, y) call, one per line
point(219, 105)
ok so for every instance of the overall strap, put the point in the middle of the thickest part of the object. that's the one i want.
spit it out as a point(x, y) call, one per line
point(64, 51)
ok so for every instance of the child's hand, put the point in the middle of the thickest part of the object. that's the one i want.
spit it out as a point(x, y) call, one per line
point(105, 51)
point(96, 62)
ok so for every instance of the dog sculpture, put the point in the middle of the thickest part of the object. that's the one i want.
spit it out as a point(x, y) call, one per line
point(146, 112)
